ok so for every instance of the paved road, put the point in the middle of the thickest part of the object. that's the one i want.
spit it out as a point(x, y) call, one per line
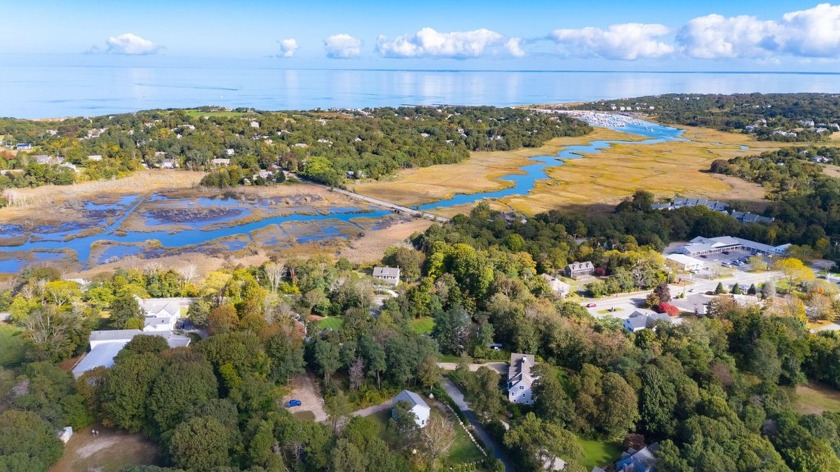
point(458, 397)
point(500, 367)
point(625, 304)
point(380, 203)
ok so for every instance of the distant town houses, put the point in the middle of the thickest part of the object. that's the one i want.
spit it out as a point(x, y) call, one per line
point(714, 205)
point(388, 275)
point(23, 147)
point(579, 269)
point(220, 162)
point(168, 164)
point(639, 321)
point(415, 404)
point(701, 246)
point(521, 379)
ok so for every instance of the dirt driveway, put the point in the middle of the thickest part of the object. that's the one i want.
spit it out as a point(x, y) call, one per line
point(305, 389)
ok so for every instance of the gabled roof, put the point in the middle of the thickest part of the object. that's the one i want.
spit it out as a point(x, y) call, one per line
point(411, 398)
point(101, 356)
point(520, 367)
point(585, 265)
point(156, 305)
point(386, 272)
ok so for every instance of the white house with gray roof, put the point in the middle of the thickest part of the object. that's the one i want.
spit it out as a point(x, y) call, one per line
point(521, 379)
point(416, 405)
point(389, 275)
point(639, 321)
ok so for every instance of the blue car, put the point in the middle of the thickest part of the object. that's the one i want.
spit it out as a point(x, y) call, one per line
point(292, 403)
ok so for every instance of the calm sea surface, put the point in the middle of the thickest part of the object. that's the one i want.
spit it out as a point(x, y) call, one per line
point(94, 85)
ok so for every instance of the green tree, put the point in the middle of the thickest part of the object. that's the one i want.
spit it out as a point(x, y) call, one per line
point(551, 403)
point(201, 444)
point(328, 358)
point(719, 289)
point(483, 392)
point(126, 390)
point(180, 385)
point(286, 355)
point(27, 442)
point(125, 312)
point(537, 443)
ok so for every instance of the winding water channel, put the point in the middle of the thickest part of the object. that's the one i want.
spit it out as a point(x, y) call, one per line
point(124, 243)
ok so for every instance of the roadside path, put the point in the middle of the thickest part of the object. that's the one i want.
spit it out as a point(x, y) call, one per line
point(372, 410)
point(500, 367)
point(380, 203)
point(455, 393)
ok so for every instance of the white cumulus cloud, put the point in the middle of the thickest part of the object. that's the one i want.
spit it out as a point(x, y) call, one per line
point(343, 46)
point(806, 33)
point(288, 47)
point(130, 44)
point(455, 45)
point(514, 47)
point(627, 41)
point(812, 33)
point(714, 36)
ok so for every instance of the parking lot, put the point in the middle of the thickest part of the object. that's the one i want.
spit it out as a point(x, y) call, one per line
point(738, 258)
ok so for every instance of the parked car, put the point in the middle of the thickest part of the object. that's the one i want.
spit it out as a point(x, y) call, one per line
point(591, 305)
point(292, 403)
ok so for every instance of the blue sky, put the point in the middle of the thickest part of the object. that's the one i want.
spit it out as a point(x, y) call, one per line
point(557, 34)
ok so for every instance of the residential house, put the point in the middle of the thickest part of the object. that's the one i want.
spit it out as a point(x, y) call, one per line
point(23, 147)
point(48, 160)
point(639, 321)
point(579, 269)
point(557, 286)
point(105, 345)
point(168, 163)
point(520, 378)
point(638, 461)
point(686, 263)
point(220, 162)
point(162, 314)
point(389, 275)
point(95, 157)
point(416, 405)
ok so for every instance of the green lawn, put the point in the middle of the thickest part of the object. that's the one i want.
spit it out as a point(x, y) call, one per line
point(423, 325)
point(331, 322)
point(12, 348)
point(462, 450)
point(598, 453)
point(816, 398)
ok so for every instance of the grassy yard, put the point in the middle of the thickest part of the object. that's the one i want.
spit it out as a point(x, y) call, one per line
point(110, 451)
point(11, 345)
point(816, 398)
point(598, 453)
point(462, 450)
point(423, 325)
point(330, 322)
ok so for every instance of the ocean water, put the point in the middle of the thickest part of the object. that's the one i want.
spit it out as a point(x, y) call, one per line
point(86, 85)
